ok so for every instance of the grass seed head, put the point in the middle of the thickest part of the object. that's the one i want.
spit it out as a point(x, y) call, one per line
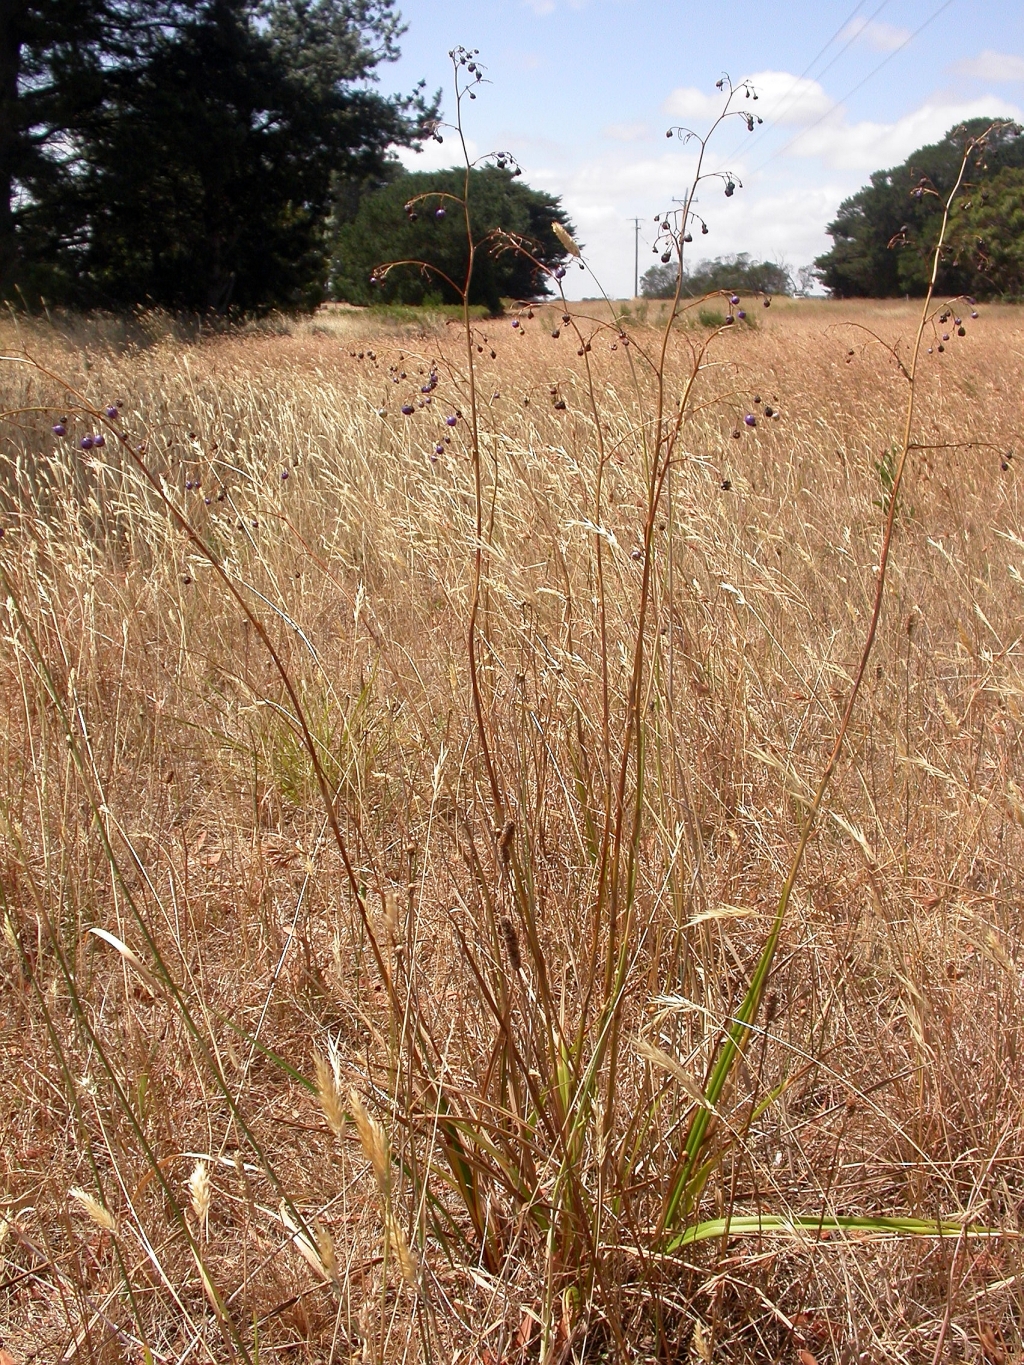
point(199, 1192)
point(328, 1090)
point(93, 1209)
point(372, 1140)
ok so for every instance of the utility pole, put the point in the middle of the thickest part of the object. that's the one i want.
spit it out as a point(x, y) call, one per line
point(636, 257)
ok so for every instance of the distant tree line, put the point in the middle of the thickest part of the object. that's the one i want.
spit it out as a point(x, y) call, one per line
point(188, 154)
point(738, 273)
point(511, 224)
point(884, 236)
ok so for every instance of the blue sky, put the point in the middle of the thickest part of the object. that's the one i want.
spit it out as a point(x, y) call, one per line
point(582, 92)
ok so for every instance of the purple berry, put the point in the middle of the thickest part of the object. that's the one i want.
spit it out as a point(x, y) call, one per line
point(112, 412)
point(740, 313)
point(439, 213)
point(284, 473)
point(974, 314)
point(439, 448)
point(945, 336)
point(86, 443)
point(451, 420)
point(734, 299)
point(407, 409)
point(515, 322)
point(99, 439)
point(59, 429)
point(750, 420)
point(560, 272)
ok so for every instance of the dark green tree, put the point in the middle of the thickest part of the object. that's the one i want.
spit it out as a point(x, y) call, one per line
point(55, 59)
point(379, 229)
point(884, 235)
point(988, 235)
point(201, 178)
point(737, 273)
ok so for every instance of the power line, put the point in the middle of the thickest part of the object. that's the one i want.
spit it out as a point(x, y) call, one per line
point(786, 100)
point(872, 73)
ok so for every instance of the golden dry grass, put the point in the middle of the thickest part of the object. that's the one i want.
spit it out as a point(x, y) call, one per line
point(892, 1027)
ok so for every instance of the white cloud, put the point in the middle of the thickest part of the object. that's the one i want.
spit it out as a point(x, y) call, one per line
point(788, 100)
point(437, 156)
point(687, 102)
point(781, 98)
point(870, 146)
point(992, 66)
point(542, 7)
point(627, 132)
point(602, 196)
point(880, 36)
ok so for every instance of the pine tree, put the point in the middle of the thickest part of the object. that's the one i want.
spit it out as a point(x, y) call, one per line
point(192, 160)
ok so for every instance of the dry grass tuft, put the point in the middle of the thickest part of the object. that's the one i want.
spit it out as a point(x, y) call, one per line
point(188, 1074)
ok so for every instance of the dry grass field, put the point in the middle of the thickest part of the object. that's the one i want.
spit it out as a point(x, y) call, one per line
point(339, 1022)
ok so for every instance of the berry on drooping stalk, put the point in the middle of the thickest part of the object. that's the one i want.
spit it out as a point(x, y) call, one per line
point(112, 412)
point(59, 429)
point(750, 420)
point(439, 448)
point(767, 303)
point(440, 213)
point(515, 322)
point(99, 439)
point(769, 412)
point(740, 313)
point(284, 474)
point(560, 272)
point(407, 409)
point(734, 299)
point(86, 443)
point(974, 313)
point(451, 420)
point(961, 331)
